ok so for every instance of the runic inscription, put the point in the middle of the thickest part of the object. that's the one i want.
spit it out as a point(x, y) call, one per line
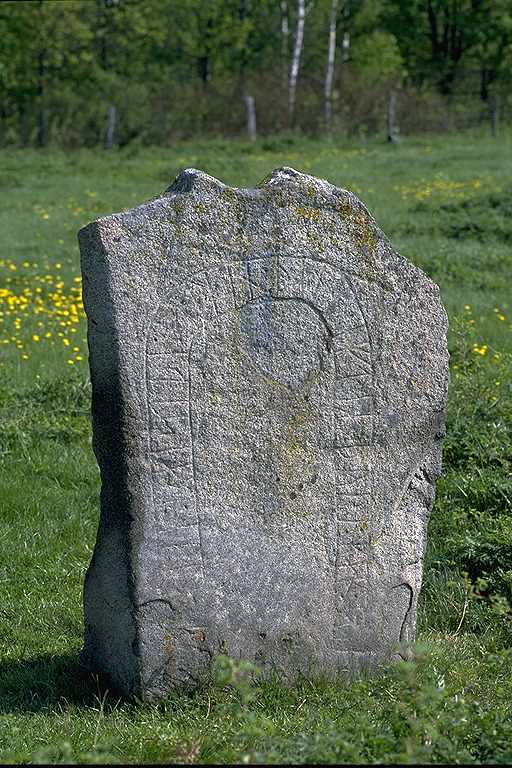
point(331, 383)
point(277, 421)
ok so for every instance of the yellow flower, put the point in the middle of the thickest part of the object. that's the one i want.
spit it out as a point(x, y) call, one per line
point(35, 337)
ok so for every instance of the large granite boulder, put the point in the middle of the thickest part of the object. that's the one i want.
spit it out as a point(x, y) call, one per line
point(269, 379)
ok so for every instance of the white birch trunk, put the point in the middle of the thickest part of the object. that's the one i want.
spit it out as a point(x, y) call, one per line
point(111, 126)
point(392, 117)
point(285, 32)
point(251, 117)
point(346, 46)
point(495, 112)
point(294, 69)
point(329, 75)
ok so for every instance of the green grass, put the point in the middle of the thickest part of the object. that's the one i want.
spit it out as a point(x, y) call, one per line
point(446, 205)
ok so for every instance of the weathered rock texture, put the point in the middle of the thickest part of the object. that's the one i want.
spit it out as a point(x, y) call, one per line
point(269, 378)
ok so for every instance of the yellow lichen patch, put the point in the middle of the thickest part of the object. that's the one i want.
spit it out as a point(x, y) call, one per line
point(310, 214)
point(364, 230)
point(229, 193)
point(295, 457)
point(346, 209)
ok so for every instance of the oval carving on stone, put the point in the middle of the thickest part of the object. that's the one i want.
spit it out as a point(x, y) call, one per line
point(287, 339)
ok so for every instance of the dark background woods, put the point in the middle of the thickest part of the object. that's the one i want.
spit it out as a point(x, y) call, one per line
point(109, 72)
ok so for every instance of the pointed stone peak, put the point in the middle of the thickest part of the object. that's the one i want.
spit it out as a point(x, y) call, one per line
point(193, 178)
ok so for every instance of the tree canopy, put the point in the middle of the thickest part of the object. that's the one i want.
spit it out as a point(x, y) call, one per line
point(158, 69)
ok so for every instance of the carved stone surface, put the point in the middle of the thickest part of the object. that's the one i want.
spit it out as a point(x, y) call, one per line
point(269, 380)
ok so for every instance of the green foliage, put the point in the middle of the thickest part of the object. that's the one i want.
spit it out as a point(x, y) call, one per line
point(377, 58)
point(486, 217)
point(180, 69)
point(470, 561)
point(51, 409)
point(437, 39)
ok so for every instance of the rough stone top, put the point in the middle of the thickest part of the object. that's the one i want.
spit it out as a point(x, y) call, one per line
point(289, 212)
point(193, 178)
point(296, 186)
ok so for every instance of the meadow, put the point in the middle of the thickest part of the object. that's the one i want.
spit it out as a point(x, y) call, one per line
point(446, 204)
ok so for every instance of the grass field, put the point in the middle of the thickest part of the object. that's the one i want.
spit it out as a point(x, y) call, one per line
point(446, 204)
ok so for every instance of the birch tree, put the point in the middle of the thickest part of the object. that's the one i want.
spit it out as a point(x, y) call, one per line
point(329, 74)
point(294, 68)
point(284, 40)
point(244, 48)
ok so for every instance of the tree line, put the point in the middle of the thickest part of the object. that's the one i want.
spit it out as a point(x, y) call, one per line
point(84, 72)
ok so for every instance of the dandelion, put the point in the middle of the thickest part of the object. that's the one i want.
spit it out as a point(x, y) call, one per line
point(441, 188)
point(45, 300)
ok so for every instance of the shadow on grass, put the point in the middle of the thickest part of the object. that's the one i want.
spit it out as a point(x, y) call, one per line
point(49, 682)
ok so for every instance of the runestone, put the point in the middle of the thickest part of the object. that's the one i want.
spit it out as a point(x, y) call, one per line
point(269, 380)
